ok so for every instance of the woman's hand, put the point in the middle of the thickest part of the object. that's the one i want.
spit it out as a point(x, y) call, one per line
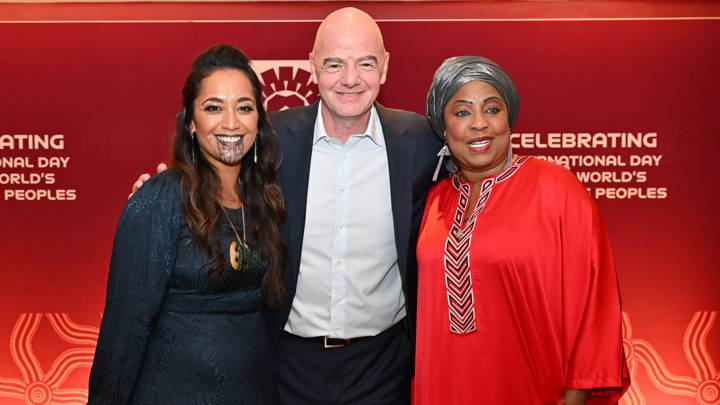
point(575, 397)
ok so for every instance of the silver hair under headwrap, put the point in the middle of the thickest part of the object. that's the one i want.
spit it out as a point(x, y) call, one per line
point(456, 72)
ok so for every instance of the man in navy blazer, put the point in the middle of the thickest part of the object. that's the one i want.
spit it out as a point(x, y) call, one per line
point(344, 335)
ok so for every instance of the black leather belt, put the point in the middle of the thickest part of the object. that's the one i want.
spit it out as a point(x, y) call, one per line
point(327, 342)
point(333, 343)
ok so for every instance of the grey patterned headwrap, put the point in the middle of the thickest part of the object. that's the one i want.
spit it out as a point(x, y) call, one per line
point(456, 72)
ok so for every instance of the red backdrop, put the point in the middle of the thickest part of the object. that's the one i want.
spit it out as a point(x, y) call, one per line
point(103, 83)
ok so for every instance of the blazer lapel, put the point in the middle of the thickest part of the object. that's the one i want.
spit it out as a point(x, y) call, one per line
point(400, 152)
point(296, 139)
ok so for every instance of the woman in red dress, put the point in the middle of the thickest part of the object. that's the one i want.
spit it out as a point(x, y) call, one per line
point(518, 299)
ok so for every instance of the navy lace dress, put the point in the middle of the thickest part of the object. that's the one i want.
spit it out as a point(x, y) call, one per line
point(167, 335)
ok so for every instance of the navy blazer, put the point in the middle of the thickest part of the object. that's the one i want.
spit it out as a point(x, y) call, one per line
point(412, 155)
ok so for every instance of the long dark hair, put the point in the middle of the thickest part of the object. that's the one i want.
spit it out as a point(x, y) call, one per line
point(257, 186)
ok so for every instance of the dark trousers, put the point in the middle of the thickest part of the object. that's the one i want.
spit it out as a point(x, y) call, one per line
point(371, 371)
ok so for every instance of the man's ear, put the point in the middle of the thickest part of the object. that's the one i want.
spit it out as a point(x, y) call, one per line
point(385, 67)
point(313, 72)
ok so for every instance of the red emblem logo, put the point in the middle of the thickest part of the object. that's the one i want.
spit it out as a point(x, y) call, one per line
point(286, 83)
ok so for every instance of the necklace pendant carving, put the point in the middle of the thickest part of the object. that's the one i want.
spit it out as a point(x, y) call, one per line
point(235, 250)
point(236, 256)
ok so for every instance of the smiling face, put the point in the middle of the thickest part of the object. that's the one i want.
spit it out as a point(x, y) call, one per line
point(225, 117)
point(477, 130)
point(349, 64)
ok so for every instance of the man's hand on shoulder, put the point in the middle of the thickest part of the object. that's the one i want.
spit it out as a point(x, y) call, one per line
point(144, 177)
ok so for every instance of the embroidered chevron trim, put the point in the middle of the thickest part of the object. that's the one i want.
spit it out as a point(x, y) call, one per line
point(511, 170)
point(458, 278)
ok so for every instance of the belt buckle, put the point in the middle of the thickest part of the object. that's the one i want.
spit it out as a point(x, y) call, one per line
point(330, 345)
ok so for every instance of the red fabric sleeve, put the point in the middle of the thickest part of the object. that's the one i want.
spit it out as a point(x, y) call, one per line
point(592, 335)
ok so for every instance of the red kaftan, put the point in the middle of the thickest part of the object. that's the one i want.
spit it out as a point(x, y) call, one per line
point(536, 310)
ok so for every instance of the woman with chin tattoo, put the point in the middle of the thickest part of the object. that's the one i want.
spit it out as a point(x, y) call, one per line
point(197, 255)
point(518, 299)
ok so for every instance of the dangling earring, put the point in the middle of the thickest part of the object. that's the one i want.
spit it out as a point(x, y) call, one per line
point(445, 151)
point(192, 146)
point(257, 139)
point(509, 159)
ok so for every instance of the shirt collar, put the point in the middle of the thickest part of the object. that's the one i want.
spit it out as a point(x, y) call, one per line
point(373, 131)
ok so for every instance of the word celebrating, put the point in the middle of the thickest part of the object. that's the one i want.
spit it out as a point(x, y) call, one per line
point(569, 140)
point(24, 141)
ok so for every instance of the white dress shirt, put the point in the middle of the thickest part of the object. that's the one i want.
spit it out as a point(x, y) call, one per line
point(349, 283)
